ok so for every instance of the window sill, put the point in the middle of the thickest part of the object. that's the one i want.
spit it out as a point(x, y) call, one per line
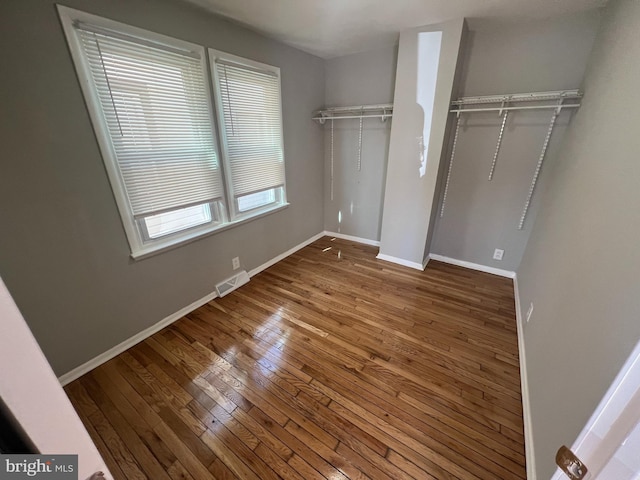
point(170, 244)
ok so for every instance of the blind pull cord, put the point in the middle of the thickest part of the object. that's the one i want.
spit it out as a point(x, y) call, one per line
point(226, 86)
point(359, 146)
point(536, 174)
point(106, 76)
point(331, 160)
point(495, 154)
point(453, 154)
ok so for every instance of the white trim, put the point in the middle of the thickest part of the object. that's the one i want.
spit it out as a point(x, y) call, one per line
point(473, 266)
point(284, 255)
point(612, 407)
point(32, 393)
point(400, 261)
point(365, 241)
point(131, 341)
point(524, 386)
point(147, 332)
point(197, 234)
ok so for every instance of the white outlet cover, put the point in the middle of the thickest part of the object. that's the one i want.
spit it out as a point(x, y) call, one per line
point(235, 263)
point(498, 254)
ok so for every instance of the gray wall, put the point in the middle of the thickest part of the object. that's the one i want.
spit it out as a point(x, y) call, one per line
point(505, 58)
point(581, 265)
point(63, 251)
point(359, 79)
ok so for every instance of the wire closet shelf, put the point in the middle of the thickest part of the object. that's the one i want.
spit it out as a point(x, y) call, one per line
point(382, 111)
point(503, 105)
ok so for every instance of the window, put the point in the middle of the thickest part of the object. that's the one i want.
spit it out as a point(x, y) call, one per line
point(248, 95)
point(148, 96)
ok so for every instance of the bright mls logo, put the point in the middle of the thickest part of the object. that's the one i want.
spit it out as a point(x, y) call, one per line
point(50, 467)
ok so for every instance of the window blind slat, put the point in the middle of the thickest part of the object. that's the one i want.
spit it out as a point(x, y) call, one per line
point(156, 108)
point(250, 104)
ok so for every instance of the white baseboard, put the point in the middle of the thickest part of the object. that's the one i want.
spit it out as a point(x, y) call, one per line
point(147, 332)
point(284, 255)
point(365, 241)
point(130, 342)
point(400, 261)
point(524, 386)
point(473, 266)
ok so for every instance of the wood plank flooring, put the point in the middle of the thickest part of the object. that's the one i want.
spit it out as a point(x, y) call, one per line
point(329, 365)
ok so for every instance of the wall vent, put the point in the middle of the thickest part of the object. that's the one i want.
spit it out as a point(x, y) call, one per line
point(230, 284)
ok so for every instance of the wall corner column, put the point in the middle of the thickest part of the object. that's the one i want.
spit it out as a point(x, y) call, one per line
point(428, 61)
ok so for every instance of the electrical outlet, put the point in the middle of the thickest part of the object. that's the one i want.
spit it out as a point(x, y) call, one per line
point(236, 263)
point(529, 312)
point(497, 254)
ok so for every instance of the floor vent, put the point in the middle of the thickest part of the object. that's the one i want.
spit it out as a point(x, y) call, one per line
point(232, 283)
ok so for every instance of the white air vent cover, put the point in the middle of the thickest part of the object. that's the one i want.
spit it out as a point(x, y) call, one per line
point(232, 283)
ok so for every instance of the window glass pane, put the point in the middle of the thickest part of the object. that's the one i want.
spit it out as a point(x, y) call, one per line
point(171, 222)
point(255, 200)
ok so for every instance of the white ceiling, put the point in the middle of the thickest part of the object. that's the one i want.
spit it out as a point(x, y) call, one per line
point(331, 28)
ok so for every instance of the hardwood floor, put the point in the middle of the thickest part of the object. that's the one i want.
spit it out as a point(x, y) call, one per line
point(330, 364)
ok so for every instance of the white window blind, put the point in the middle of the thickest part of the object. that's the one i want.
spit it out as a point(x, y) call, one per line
point(149, 98)
point(251, 113)
point(157, 111)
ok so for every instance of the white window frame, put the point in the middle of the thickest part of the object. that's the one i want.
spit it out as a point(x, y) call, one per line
point(223, 216)
point(280, 193)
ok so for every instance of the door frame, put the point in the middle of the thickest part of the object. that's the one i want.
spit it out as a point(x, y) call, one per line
point(624, 389)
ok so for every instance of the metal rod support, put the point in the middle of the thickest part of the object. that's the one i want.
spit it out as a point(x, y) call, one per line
point(536, 174)
point(360, 147)
point(453, 153)
point(495, 154)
